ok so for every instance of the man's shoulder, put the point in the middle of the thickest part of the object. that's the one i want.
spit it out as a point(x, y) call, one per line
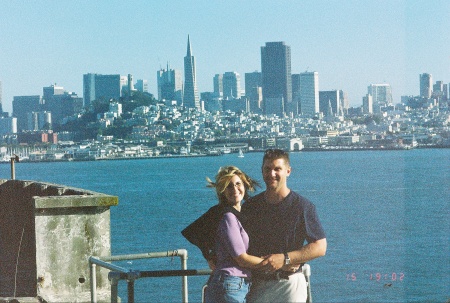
point(299, 200)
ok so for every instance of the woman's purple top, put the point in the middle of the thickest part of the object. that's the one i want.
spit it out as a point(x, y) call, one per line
point(231, 241)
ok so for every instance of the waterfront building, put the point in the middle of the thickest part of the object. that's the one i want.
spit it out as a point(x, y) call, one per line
point(276, 76)
point(22, 105)
point(97, 86)
point(231, 85)
point(309, 93)
point(191, 96)
point(253, 91)
point(141, 85)
point(381, 96)
point(218, 84)
point(170, 85)
point(426, 87)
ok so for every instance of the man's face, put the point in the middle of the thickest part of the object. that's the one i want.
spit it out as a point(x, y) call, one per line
point(275, 173)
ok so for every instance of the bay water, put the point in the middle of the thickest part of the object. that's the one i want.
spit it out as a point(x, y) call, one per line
point(386, 215)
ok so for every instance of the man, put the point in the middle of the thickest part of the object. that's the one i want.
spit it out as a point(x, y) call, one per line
point(281, 222)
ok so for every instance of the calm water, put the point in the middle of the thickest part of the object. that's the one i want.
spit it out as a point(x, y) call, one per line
point(386, 215)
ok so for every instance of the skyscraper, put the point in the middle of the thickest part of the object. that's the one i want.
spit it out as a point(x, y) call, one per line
point(381, 96)
point(191, 97)
point(96, 86)
point(22, 105)
point(142, 85)
point(170, 85)
point(327, 99)
point(426, 86)
point(253, 90)
point(231, 85)
point(218, 85)
point(60, 103)
point(309, 93)
point(276, 78)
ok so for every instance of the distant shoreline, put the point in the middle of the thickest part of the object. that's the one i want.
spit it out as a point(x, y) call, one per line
point(306, 149)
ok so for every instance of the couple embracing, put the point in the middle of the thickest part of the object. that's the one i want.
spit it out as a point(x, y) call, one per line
point(256, 249)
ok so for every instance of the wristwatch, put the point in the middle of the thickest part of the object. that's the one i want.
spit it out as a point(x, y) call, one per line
point(287, 260)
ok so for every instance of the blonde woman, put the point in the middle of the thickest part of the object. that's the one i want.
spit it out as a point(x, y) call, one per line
point(221, 236)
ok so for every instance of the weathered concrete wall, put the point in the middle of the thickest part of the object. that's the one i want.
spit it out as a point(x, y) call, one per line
point(47, 234)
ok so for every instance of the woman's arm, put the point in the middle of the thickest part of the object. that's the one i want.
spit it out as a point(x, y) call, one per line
point(248, 261)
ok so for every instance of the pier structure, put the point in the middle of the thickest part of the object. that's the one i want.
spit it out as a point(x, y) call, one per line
point(48, 234)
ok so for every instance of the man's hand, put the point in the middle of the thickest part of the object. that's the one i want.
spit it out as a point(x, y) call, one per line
point(272, 263)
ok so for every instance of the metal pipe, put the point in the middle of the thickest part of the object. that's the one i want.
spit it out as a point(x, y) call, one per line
point(131, 291)
point(13, 170)
point(107, 265)
point(184, 280)
point(307, 272)
point(114, 288)
point(164, 254)
point(93, 282)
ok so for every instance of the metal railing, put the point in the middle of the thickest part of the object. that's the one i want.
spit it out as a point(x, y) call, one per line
point(118, 273)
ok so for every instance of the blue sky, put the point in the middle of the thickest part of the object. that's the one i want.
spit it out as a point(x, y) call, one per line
point(351, 44)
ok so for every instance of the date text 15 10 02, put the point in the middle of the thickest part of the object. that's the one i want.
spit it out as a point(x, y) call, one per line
point(394, 276)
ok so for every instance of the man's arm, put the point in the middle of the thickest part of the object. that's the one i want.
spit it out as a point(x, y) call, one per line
point(308, 252)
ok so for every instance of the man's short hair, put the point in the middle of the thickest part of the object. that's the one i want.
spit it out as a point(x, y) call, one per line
point(275, 153)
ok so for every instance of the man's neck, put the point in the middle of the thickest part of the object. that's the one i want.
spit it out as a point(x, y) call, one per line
point(276, 196)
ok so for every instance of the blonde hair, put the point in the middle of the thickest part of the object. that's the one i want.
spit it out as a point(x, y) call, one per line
point(223, 179)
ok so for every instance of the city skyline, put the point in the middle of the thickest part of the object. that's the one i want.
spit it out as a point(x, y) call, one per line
point(351, 44)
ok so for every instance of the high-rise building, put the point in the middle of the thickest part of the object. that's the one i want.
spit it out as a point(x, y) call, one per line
point(191, 97)
point(39, 120)
point(52, 90)
point(142, 85)
point(170, 85)
point(296, 93)
point(367, 104)
point(426, 85)
point(381, 96)
point(309, 93)
point(253, 90)
point(231, 85)
point(96, 86)
point(22, 105)
point(276, 77)
point(8, 125)
point(329, 102)
point(60, 103)
point(218, 85)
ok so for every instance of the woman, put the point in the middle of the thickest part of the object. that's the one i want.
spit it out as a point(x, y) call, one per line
point(220, 235)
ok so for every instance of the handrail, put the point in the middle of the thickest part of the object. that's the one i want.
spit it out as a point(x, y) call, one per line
point(119, 273)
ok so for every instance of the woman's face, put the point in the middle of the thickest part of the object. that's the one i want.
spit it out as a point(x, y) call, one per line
point(235, 191)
